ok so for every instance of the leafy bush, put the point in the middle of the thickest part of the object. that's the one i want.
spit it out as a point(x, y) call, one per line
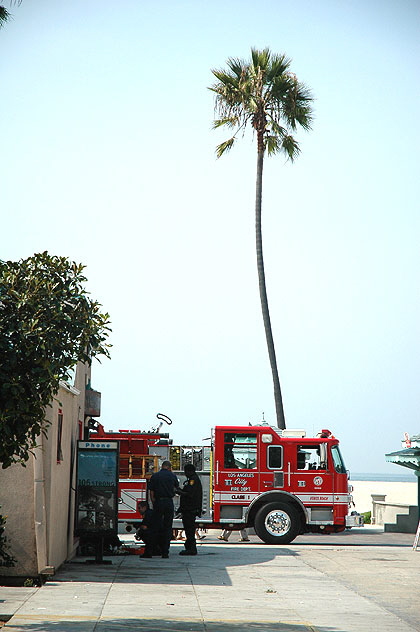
point(6, 559)
point(47, 324)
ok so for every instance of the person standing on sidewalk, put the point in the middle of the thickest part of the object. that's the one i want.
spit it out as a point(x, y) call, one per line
point(190, 507)
point(162, 486)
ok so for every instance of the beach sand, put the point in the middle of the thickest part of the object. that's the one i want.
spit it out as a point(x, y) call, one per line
point(396, 492)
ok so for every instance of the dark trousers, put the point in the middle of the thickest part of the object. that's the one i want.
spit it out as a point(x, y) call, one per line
point(188, 522)
point(147, 537)
point(163, 515)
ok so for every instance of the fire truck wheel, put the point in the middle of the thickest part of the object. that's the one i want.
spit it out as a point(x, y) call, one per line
point(277, 523)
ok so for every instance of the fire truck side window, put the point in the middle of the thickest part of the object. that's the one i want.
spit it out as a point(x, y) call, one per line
point(338, 460)
point(275, 457)
point(240, 451)
point(311, 457)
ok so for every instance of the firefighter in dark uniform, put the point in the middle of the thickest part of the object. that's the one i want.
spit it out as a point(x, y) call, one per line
point(190, 507)
point(162, 486)
point(145, 531)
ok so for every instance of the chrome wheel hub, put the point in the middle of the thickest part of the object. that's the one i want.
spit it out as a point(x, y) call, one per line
point(277, 522)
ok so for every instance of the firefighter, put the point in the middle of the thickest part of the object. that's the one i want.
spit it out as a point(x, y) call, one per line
point(162, 486)
point(190, 507)
point(144, 532)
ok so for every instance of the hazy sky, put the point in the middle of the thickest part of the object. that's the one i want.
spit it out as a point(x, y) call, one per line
point(107, 157)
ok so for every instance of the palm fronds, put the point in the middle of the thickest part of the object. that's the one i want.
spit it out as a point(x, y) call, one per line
point(230, 121)
point(264, 92)
point(4, 16)
point(224, 147)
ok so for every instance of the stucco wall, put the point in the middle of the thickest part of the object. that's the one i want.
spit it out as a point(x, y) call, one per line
point(17, 503)
point(57, 475)
point(39, 499)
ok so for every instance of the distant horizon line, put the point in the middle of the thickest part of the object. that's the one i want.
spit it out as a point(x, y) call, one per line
point(383, 476)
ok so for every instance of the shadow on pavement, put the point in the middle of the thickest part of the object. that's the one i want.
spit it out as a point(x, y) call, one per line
point(164, 625)
point(209, 567)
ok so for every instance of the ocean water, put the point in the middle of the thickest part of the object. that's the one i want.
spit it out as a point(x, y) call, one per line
point(409, 477)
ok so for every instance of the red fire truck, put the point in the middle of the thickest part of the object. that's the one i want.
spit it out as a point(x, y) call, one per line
point(278, 482)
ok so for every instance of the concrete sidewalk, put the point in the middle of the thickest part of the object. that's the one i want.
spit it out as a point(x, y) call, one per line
point(361, 580)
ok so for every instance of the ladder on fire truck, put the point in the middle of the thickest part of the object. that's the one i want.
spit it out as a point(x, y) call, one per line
point(417, 538)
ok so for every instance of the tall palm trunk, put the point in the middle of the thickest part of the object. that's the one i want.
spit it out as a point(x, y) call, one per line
point(281, 423)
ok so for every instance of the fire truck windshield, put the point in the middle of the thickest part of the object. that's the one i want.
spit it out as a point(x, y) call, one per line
point(338, 460)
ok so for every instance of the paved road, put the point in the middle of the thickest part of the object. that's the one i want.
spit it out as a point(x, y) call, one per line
point(358, 581)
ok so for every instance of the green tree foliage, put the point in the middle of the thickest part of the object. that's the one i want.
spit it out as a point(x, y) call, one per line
point(47, 324)
point(6, 559)
point(263, 94)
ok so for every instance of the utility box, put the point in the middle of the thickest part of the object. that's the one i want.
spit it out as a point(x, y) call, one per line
point(92, 403)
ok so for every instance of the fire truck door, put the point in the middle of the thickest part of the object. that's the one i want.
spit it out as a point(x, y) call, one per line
point(275, 468)
point(236, 473)
point(311, 478)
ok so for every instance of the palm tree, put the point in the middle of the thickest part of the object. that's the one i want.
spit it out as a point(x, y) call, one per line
point(4, 16)
point(264, 94)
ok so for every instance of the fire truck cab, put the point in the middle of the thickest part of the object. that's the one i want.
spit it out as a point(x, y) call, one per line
point(278, 482)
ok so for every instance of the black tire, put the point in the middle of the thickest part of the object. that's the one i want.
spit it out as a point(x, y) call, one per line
point(277, 523)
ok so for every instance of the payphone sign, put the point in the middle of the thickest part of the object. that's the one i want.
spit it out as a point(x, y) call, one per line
point(97, 487)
